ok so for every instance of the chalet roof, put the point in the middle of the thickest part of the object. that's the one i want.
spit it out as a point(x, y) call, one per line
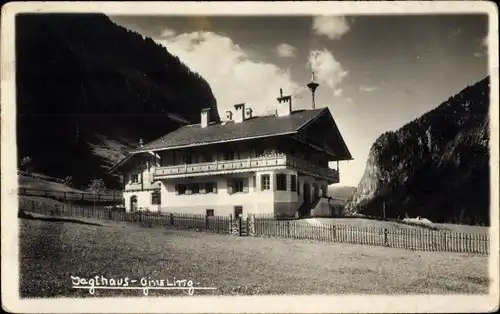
point(125, 160)
point(255, 127)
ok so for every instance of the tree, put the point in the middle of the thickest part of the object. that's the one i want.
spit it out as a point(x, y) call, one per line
point(96, 186)
point(68, 181)
point(26, 163)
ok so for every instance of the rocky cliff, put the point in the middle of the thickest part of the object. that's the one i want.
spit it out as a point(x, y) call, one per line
point(88, 90)
point(436, 166)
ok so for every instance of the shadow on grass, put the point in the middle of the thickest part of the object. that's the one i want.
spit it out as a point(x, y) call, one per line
point(26, 216)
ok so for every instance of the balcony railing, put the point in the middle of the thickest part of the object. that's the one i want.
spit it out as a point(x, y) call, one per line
point(248, 164)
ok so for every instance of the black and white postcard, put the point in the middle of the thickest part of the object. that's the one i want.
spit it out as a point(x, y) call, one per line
point(284, 157)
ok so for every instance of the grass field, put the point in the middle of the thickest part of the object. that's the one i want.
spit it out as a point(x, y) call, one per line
point(52, 251)
point(38, 184)
point(363, 222)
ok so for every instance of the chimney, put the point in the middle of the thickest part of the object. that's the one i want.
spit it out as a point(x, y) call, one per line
point(239, 115)
point(204, 117)
point(285, 107)
point(248, 113)
point(229, 115)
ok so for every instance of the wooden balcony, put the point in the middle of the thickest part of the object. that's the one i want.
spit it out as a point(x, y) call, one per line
point(247, 165)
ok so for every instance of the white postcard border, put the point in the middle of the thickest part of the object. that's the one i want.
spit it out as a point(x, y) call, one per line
point(229, 304)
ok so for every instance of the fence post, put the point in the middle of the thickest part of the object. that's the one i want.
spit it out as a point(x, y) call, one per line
point(385, 237)
point(251, 228)
point(239, 226)
point(206, 222)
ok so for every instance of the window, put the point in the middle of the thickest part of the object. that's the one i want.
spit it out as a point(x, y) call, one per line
point(181, 189)
point(266, 182)
point(207, 157)
point(135, 178)
point(155, 198)
point(210, 212)
point(237, 185)
point(281, 182)
point(187, 159)
point(229, 156)
point(293, 183)
point(210, 187)
point(194, 188)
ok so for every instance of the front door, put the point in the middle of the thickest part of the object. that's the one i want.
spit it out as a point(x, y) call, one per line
point(307, 193)
point(133, 203)
point(238, 210)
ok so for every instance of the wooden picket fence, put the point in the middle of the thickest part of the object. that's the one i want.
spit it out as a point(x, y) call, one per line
point(403, 238)
point(218, 224)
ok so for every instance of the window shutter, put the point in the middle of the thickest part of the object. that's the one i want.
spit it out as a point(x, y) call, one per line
point(229, 187)
point(245, 185)
point(275, 185)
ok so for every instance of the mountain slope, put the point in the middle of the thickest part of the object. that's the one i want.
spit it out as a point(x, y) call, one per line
point(436, 166)
point(341, 192)
point(88, 90)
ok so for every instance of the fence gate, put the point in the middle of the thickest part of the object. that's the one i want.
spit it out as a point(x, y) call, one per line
point(241, 227)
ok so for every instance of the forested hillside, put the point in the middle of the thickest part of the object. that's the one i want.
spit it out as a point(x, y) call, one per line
point(436, 166)
point(88, 90)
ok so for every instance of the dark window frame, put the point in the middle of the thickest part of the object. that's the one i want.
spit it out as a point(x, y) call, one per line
point(181, 188)
point(265, 182)
point(213, 186)
point(293, 183)
point(156, 198)
point(238, 186)
point(134, 176)
point(281, 182)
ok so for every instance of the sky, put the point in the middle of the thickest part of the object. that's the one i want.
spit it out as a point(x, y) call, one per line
point(376, 73)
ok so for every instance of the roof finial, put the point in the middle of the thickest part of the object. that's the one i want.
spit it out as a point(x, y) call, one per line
point(281, 92)
point(312, 86)
point(140, 142)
